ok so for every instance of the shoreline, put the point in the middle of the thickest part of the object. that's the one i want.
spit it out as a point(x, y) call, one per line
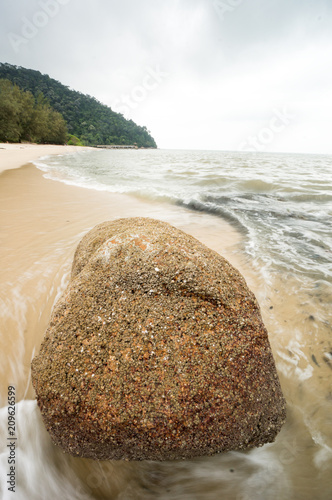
point(15, 155)
point(42, 222)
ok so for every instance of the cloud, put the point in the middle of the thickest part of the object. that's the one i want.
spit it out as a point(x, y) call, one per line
point(229, 63)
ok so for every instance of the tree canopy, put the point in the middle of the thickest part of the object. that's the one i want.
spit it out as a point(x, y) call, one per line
point(26, 118)
point(92, 122)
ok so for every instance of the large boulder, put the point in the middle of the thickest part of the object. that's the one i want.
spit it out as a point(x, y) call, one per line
point(155, 351)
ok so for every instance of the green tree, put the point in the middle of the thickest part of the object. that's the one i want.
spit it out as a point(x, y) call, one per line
point(24, 118)
point(9, 130)
point(74, 141)
point(86, 118)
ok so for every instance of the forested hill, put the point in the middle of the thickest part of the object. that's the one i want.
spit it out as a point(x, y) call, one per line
point(91, 121)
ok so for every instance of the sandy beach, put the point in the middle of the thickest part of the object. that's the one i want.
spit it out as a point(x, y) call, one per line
point(16, 155)
point(41, 223)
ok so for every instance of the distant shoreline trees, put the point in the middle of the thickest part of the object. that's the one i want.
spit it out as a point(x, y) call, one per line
point(87, 119)
point(26, 118)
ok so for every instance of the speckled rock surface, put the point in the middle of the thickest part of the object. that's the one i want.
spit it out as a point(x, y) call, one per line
point(155, 351)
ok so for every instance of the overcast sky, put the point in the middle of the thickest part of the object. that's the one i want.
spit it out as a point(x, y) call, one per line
point(200, 74)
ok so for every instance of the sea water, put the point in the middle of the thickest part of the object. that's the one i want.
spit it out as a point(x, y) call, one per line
point(281, 204)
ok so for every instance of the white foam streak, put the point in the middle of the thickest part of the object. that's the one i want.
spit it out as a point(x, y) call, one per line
point(269, 479)
point(291, 366)
point(41, 470)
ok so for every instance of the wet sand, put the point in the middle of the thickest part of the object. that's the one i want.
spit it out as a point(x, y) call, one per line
point(41, 222)
point(16, 155)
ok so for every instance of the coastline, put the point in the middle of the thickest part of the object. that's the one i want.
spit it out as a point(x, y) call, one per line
point(41, 222)
point(16, 155)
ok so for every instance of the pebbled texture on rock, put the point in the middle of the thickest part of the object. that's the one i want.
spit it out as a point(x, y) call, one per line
point(155, 351)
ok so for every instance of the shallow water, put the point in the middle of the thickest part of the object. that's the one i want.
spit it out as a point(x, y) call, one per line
point(281, 205)
point(282, 202)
